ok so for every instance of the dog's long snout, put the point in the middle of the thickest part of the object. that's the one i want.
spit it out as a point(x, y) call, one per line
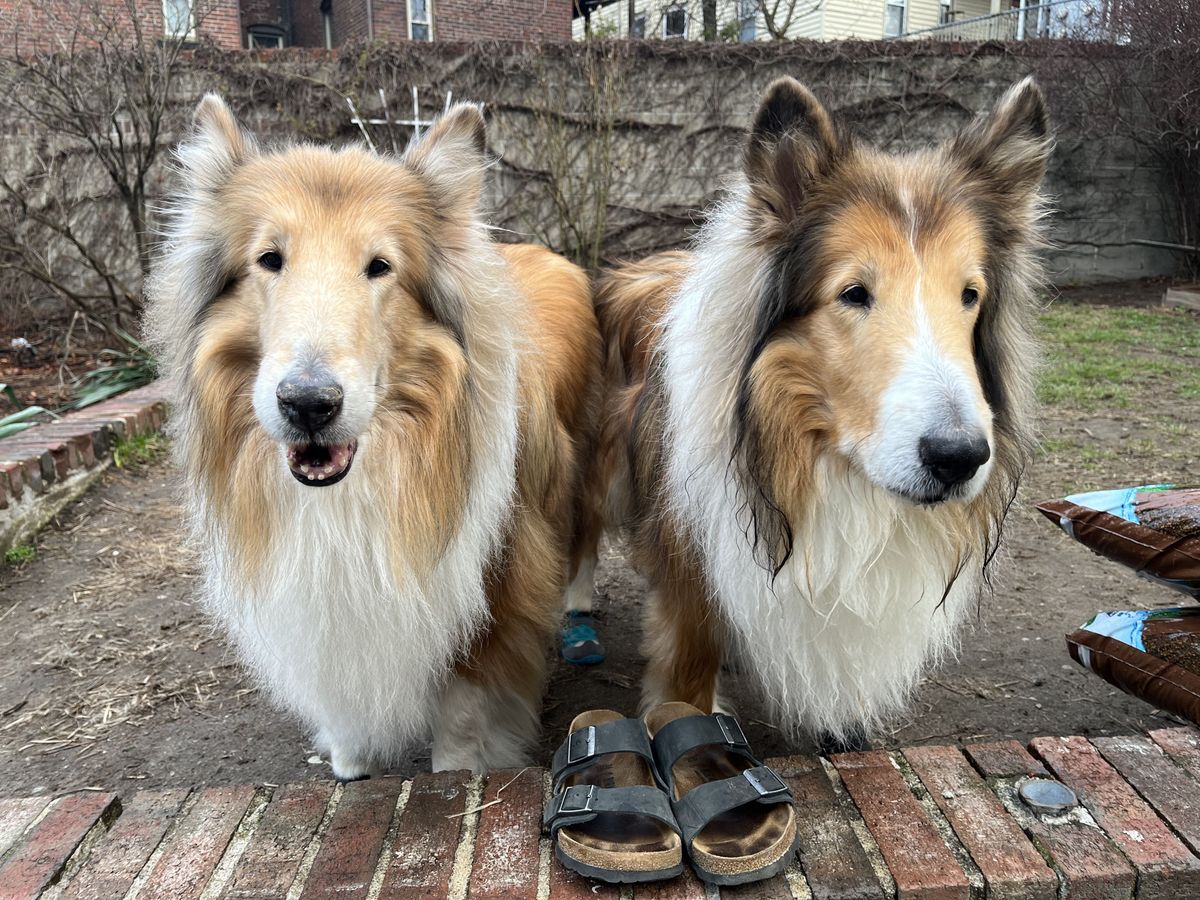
point(953, 460)
point(309, 402)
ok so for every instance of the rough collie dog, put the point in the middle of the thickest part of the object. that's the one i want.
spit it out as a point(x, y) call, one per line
point(821, 413)
point(382, 418)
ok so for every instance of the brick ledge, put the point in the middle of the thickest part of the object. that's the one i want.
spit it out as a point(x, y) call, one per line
point(922, 822)
point(44, 468)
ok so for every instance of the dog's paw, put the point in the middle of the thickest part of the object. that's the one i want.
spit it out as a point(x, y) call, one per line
point(349, 765)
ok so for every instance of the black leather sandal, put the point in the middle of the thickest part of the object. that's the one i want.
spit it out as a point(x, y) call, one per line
point(737, 816)
point(609, 817)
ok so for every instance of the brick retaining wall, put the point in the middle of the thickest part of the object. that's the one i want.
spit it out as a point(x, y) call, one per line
point(936, 823)
point(44, 468)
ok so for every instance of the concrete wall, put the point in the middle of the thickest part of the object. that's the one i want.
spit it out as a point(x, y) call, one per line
point(673, 130)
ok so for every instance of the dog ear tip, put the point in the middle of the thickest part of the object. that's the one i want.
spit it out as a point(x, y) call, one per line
point(785, 102)
point(211, 105)
point(1028, 102)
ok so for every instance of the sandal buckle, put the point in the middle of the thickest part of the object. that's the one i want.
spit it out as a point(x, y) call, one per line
point(764, 780)
point(570, 795)
point(731, 730)
point(589, 738)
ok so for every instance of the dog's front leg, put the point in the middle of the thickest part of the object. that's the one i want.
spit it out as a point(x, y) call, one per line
point(482, 727)
point(348, 758)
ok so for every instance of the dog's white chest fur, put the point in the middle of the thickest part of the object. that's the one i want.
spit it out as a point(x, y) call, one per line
point(841, 635)
point(358, 654)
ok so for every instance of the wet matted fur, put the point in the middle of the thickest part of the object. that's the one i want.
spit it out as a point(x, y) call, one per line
point(419, 592)
point(779, 393)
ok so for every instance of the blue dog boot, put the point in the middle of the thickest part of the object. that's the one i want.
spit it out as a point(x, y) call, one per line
point(580, 644)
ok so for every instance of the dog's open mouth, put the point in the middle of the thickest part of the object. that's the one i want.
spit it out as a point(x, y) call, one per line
point(320, 465)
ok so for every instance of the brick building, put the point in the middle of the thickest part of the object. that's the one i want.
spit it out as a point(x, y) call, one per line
point(28, 26)
point(32, 27)
point(330, 23)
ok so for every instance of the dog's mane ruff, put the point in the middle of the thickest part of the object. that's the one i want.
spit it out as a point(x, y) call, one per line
point(327, 546)
point(729, 263)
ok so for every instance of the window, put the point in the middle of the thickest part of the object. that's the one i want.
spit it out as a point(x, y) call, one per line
point(638, 30)
point(264, 37)
point(420, 21)
point(177, 19)
point(747, 19)
point(946, 12)
point(675, 22)
point(893, 23)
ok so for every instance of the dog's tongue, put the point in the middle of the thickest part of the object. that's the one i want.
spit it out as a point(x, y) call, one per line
point(319, 462)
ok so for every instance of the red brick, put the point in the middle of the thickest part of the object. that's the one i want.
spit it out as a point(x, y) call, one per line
point(1165, 867)
point(12, 473)
point(1011, 867)
point(271, 859)
point(346, 861)
point(1004, 759)
point(506, 843)
point(37, 860)
point(1090, 864)
point(568, 885)
point(919, 860)
point(115, 861)
point(1182, 745)
point(775, 888)
point(15, 816)
point(426, 837)
point(833, 860)
point(196, 846)
point(686, 887)
point(1170, 790)
point(34, 463)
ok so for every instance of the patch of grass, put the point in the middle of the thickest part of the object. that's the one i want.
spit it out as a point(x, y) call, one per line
point(1054, 445)
point(1101, 357)
point(19, 553)
point(139, 450)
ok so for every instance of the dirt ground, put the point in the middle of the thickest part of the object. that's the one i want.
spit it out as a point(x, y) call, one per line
point(110, 676)
point(54, 352)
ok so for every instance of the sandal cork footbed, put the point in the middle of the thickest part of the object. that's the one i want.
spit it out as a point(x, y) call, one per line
point(745, 840)
point(618, 842)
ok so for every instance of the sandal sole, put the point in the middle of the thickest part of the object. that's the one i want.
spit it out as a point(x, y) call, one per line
point(749, 877)
point(612, 876)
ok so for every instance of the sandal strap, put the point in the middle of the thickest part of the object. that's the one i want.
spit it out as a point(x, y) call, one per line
point(581, 803)
point(702, 804)
point(679, 736)
point(581, 747)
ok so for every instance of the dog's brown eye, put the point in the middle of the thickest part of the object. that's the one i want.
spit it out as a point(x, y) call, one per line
point(856, 295)
point(271, 261)
point(377, 267)
point(970, 296)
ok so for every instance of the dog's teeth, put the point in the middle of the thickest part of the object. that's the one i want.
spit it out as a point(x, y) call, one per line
point(304, 469)
point(320, 476)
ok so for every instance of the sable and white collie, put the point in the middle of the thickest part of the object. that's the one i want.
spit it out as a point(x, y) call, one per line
point(820, 414)
point(382, 417)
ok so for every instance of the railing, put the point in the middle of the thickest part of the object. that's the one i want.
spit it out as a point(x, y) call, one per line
point(1079, 19)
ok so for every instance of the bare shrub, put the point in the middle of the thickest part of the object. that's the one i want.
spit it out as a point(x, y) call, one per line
point(1145, 89)
point(94, 107)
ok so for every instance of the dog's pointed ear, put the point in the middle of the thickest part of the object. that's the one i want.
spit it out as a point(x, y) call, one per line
point(792, 142)
point(1009, 148)
point(217, 144)
point(451, 157)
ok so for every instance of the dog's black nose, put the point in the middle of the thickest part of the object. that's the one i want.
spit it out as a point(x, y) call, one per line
point(953, 460)
point(309, 403)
